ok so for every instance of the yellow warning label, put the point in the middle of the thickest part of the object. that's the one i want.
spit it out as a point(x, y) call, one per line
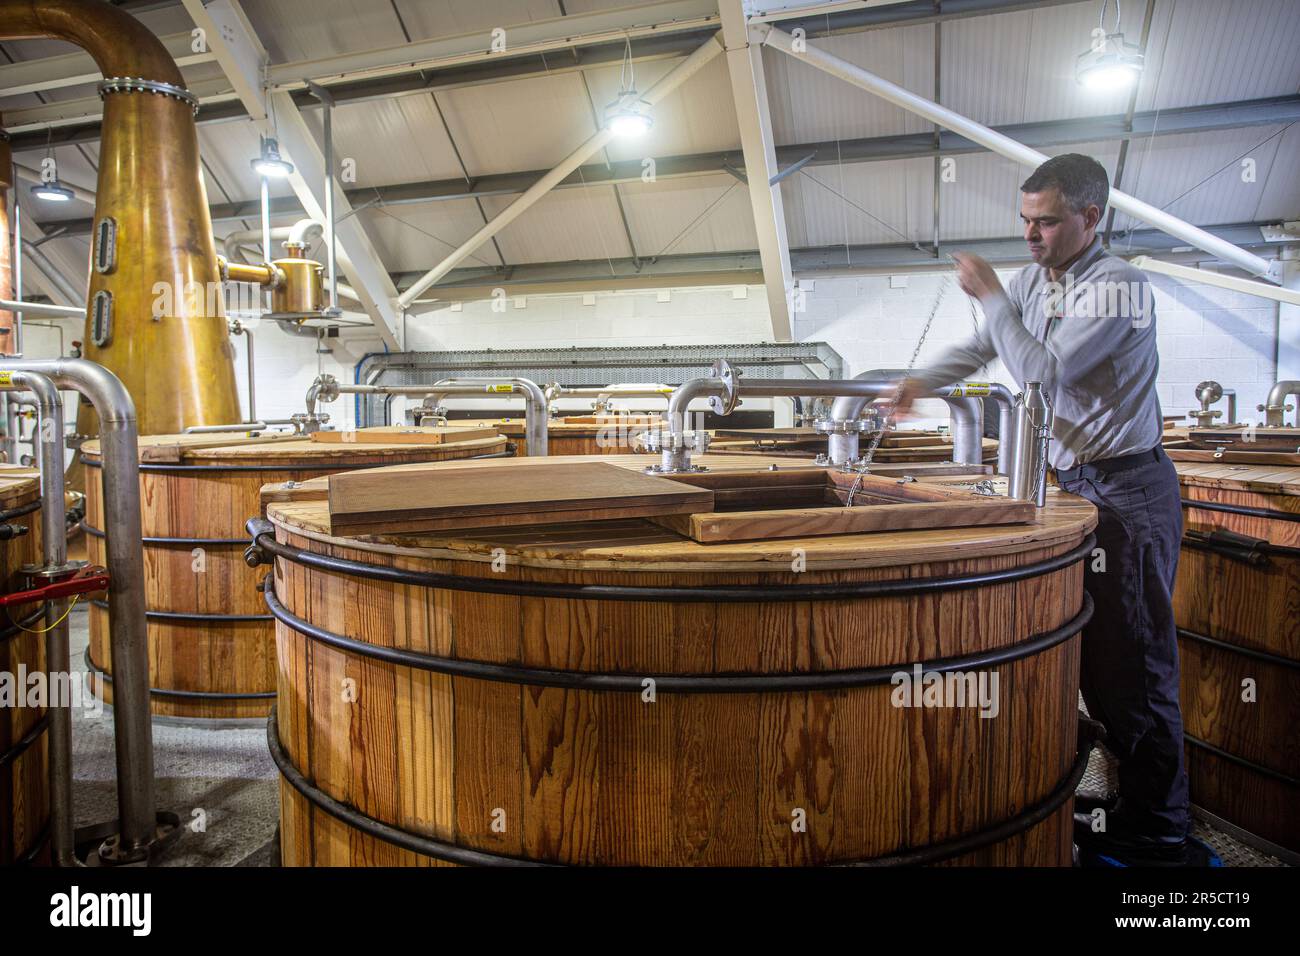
point(6, 379)
point(500, 388)
point(972, 389)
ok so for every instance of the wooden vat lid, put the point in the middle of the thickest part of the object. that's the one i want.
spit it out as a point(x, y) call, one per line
point(279, 448)
point(19, 485)
point(640, 545)
point(1268, 479)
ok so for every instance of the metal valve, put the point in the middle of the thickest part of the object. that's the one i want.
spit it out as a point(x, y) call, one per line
point(675, 450)
point(1207, 393)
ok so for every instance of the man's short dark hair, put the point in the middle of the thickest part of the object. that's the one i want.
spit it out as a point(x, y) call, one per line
point(1081, 179)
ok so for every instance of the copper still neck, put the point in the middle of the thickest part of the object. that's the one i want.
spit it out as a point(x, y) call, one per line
point(155, 313)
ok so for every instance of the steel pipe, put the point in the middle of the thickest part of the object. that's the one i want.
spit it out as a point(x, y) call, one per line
point(1006, 424)
point(238, 328)
point(58, 655)
point(966, 411)
point(535, 412)
point(1274, 406)
point(133, 733)
point(42, 308)
point(851, 397)
point(232, 427)
point(998, 143)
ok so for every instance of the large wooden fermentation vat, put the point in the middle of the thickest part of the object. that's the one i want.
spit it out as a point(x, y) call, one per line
point(211, 651)
point(24, 768)
point(1238, 612)
point(576, 434)
point(483, 697)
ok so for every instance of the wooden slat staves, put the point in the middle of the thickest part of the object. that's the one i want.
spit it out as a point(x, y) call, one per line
point(403, 435)
point(579, 776)
point(24, 789)
point(370, 502)
point(1250, 610)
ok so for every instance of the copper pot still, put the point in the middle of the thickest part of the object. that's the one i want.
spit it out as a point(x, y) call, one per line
point(154, 313)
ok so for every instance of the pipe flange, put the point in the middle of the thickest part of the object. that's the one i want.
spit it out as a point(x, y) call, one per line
point(304, 424)
point(135, 84)
point(844, 426)
point(726, 403)
point(661, 440)
point(327, 388)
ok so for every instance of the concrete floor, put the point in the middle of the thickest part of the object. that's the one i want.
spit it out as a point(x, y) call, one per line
point(223, 786)
point(226, 774)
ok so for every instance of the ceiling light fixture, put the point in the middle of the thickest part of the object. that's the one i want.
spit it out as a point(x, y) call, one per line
point(270, 163)
point(1109, 64)
point(629, 115)
point(53, 191)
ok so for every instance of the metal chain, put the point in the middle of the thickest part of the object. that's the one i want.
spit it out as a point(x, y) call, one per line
point(911, 364)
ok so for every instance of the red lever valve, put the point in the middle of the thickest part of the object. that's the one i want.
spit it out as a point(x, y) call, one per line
point(85, 580)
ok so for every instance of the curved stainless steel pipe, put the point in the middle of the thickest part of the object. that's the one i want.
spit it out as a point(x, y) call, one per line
point(535, 412)
point(133, 732)
point(679, 401)
point(1006, 400)
point(58, 656)
point(1275, 405)
point(966, 412)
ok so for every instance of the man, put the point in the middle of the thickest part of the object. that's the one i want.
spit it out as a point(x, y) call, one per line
point(1082, 323)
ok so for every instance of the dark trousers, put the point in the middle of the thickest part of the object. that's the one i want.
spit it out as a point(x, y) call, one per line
point(1129, 667)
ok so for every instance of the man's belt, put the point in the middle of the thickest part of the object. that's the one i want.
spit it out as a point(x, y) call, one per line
point(1109, 466)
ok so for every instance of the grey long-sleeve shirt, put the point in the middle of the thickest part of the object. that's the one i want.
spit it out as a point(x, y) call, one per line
point(1090, 339)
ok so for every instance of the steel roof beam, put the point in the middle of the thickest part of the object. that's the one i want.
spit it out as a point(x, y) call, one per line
point(1191, 119)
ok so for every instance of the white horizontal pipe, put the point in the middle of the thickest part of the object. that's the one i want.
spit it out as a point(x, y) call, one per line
point(1003, 145)
point(42, 308)
point(670, 81)
point(1235, 283)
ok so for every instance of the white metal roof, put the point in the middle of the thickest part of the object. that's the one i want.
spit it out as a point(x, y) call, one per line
point(999, 69)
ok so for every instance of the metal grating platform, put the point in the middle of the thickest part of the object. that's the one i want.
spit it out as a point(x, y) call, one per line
point(666, 364)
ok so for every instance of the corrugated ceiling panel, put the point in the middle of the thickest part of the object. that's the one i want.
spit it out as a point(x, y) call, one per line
point(983, 201)
point(518, 125)
point(882, 202)
point(227, 149)
point(695, 214)
point(1281, 193)
point(1217, 52)
point(291, 30)
point(398, 140)
point(412, 238)
point(1020, 67)
point(699, 116)
point(810, 106)
point(564, 225)
point(435, 18)
point(1208, 165)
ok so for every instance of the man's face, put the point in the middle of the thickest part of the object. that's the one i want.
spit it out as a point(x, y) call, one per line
point(1055, 232)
